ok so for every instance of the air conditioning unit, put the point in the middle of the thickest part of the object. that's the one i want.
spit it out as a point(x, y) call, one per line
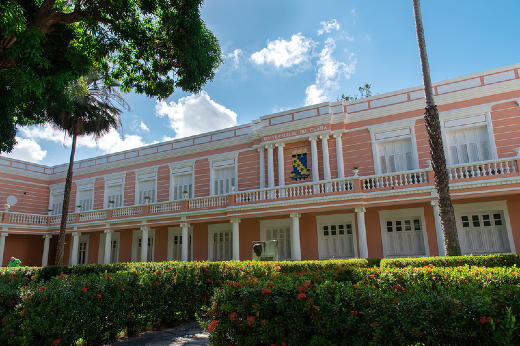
point(265, 250)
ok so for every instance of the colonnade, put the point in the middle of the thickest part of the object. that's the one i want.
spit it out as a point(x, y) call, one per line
point(270, 147)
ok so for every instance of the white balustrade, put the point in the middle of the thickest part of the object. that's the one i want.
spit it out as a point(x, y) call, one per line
point(394, 180)
point(165, 207)
point(93, 215)
point(208, 202)
point(127, 211)
point(28, 218)
point(482, 169)
point(296, 190)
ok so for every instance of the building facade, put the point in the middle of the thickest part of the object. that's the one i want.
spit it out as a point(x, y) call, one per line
point(334, 180)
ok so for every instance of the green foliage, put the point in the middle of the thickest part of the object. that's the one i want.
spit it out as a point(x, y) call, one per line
point(152, 47)
point(364, 91)
point(454, 261)
point(334, 302)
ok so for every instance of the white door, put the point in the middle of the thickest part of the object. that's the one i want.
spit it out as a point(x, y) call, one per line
point(404, 237)
point(484, 233)
point(395, 156)
point(337, 241)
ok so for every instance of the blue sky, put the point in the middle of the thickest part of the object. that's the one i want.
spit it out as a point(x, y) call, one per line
point(280, 55)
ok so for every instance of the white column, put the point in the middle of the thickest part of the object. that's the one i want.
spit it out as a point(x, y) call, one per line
point(362, 232)
point(438, 227)
point(75, 248)
point(281, 168)
point(314, 158)
point(236, 239)
point(108, 246)
point(339, 156)
point(2, 244)
point(326, 161)
point(45, 256)
point(295, 243)
point(144, 244)
point(185, 242)
point(262, 167)
point(270, 166)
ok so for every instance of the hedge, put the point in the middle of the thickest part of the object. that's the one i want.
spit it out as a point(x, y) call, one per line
point(92, 304)
point(454, 261)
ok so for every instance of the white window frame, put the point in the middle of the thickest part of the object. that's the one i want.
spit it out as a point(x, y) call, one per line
point(102, 241)
point(138, 234)
point(385, 215)
point(483, 207)
point(177, 231)
point(277, 223)
point(390, 132)
point(114, 180)
point(324, 220)
point(222, 161)
point(215, 228)
point(465, 119)
point(144, 175)
point(181, 169)
point(85, 185)
point(84, 238)
point(56, 190)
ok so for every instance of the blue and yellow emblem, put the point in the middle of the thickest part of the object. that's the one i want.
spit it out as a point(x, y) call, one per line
point(299, 159)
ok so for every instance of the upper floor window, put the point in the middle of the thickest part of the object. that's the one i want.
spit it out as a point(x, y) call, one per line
point(56, 199)
point(146, 186)
point(468, 138)
point(394, 147)
point(223, 172)
point(114, 190)
point(85, 194)
point(181, 182)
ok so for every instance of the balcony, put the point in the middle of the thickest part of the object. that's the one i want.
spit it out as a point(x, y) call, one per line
point(356, 186)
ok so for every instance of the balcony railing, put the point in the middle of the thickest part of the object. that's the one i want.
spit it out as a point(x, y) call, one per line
point(296, 190)
point(481, 170)
point(394, 180)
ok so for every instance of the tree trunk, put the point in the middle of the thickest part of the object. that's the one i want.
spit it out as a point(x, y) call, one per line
point(433, 129)
point(65, 209)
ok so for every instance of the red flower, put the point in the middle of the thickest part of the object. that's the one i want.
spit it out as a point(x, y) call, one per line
point(302, 289)
point(3, 320)
point(233, 316)
point(62, 276)
point(23, 311)
point(353, 313)
point(98, 296)
point(264, 322)
point(237, 284)
point(108, 277)
point(396, 300)
point(212, 325)
point(317, 308)
point(250, 320)
point(156, 283)
point(430, 265)
point(266, 291)
point(134, 299)
point(301, 296)
point(484, 319)
point(128, 316)
point(43, 288)
point(373, 325)
point(84, 289)
point(56, 342)
point(270, 285)
point(122, 288)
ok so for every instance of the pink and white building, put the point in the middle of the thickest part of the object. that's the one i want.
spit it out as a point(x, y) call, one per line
point(333, 180)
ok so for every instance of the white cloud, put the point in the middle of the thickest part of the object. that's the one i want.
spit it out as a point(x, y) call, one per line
point(27, 150)
point(143, 127)
point(109, 143)
point(234, 57)
point(285, 54)
point(329, 73)
point(196, 114)
point(328, 26)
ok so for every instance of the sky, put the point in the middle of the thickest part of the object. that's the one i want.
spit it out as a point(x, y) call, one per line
point(286, 54)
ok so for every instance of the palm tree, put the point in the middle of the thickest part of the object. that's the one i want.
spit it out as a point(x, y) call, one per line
point(91, 111)
point(433, 128)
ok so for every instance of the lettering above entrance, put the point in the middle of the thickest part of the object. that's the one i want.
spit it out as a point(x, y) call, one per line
point(295, 133)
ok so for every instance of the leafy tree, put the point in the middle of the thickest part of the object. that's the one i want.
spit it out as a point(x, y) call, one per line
point(150, 46)
point(433, 128)
point(363, 90)
point(91, 111)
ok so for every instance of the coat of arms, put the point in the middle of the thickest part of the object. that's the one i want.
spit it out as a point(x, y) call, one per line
point(299, 159)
